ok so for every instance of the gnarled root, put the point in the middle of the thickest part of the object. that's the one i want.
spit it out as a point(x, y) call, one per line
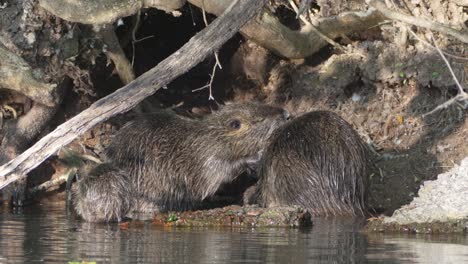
point(267, 31)
point(16, 74)
point(104, 11)
point(114, 52)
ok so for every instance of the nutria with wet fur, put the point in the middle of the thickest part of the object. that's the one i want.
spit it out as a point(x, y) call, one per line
point(316, 161)
point(164, 161)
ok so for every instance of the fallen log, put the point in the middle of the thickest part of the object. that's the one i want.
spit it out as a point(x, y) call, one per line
point(122, 100)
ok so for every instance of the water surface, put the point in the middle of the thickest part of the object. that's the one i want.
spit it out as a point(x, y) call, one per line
point(50, 234)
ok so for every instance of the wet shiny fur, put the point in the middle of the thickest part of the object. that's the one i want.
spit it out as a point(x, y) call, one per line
point(316, 161)
point(165, 162)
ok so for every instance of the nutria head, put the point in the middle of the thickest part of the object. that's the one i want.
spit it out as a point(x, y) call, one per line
point(244, 129)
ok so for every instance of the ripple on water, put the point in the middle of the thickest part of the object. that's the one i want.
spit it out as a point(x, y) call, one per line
point(50, 234)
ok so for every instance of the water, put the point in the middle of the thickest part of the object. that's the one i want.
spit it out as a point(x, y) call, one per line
point(51, 235)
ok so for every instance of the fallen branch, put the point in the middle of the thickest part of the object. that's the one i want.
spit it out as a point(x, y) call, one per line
point(417, 21)
point(193, 52)
point(431, 46)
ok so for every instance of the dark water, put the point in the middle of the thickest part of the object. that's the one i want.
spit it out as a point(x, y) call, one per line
point(48, 234)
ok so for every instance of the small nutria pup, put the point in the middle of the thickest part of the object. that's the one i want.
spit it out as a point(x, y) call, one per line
point(316, 161)
point(164, 161)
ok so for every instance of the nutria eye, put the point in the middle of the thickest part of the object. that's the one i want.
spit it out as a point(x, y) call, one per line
point(235, 124)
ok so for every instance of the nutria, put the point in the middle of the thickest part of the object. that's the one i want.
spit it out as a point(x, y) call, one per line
point(316, 161)
point(165, 162)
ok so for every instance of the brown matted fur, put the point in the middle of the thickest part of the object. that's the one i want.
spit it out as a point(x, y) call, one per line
point(164, 162)
point(316, 161)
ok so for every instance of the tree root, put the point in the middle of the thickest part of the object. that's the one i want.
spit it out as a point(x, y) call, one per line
point(17, 75)
point(18, 133)
point(417, 21)
point(267, 31)
point(104, 11)
point(114, 52)
point(193, 52)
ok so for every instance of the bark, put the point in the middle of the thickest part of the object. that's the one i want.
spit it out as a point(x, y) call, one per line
point(114, 52)
point(418, 21)
point(193, 52)
point(104, 11)
point(17, 75)
point(267, 31)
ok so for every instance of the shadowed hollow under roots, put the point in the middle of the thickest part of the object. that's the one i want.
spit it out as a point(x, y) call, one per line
point(316, 161)
point(165, 162)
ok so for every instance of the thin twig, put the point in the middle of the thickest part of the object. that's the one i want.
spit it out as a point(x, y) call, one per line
point(432, 46)
point(462, 96)
point(201, 88)
point(460, 88)
point(134, 30)
point(212, 75)
point(456, 99)
point(217, 64)
point(144, 38)
point(425, 42)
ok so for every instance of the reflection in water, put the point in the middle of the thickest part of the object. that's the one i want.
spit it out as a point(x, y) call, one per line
point(421, 248)
point(50, 235)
